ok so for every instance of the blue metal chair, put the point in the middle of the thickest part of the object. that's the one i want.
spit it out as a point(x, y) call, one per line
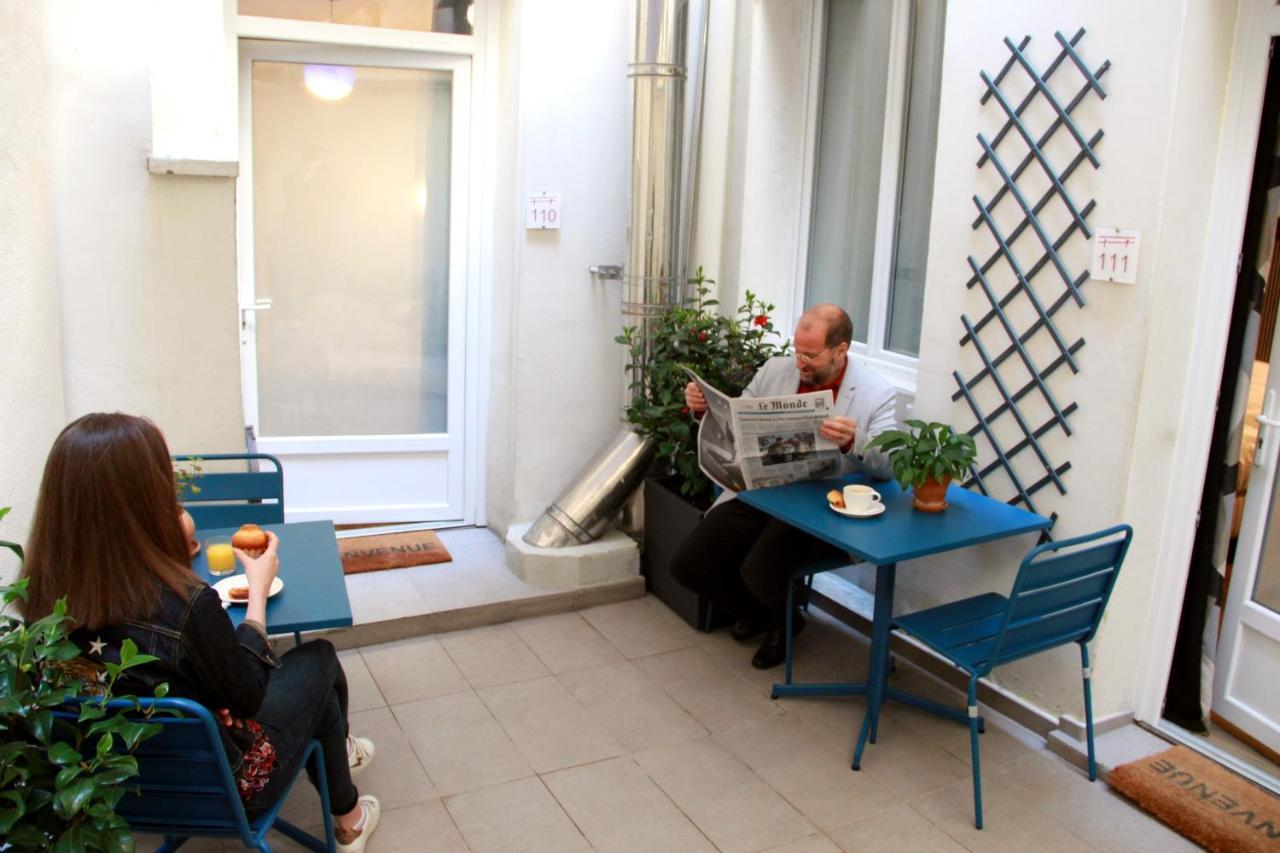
point(1058, 597)
point(232, 498)
point(186, 789)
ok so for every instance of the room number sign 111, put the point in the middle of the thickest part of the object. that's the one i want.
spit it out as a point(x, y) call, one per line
point(1115, 255)
point(542, 211)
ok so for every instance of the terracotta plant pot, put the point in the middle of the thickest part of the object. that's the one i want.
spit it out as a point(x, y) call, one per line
point(931, 495)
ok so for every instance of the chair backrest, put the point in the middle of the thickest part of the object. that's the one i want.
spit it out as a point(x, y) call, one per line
point(185, 785)
point(1060, 593)
point(232, 498)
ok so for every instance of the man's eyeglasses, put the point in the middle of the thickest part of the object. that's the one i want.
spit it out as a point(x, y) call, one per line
point(810, 359)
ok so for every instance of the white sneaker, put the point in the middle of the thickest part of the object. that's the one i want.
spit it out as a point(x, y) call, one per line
point(359, 754)
point(368, 823)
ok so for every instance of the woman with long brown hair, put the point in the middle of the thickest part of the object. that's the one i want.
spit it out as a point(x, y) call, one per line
point(107, 536)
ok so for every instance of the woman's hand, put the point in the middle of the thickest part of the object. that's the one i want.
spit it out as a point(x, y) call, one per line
point(260, 569)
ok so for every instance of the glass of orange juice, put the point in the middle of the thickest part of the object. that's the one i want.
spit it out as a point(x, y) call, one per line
point(222, 559)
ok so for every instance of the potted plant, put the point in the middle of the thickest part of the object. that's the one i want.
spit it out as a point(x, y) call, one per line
point(60, 782)
point(926, 457)
point(725, 350)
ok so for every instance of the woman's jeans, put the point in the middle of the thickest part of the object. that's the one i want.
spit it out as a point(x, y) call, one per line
point(307, 699)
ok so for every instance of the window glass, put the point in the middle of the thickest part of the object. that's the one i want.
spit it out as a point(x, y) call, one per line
point(911, 246)
point(850, 139)
point(848, 177)
point(437, 16)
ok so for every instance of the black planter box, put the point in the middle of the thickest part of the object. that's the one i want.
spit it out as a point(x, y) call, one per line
point(668, 519)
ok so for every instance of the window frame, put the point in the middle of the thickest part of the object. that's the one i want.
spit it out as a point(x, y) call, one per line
point(901, 370)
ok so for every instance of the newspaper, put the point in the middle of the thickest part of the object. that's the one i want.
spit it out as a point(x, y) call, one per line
point(752, 442)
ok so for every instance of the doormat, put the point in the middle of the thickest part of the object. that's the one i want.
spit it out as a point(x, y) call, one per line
point(391, 551)
point(1202, 800)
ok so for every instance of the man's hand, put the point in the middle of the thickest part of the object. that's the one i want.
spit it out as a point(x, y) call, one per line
point(694, 399)
point(840, 430)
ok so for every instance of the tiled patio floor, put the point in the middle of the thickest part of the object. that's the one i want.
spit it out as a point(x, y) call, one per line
point(620, 728)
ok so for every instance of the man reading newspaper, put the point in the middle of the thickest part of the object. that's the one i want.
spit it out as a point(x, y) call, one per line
point(742, 558)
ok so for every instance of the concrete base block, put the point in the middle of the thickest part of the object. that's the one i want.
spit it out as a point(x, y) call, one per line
point(614, 556)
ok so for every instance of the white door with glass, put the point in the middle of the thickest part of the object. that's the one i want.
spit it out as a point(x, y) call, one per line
point(351, 226)
point(1247, 668)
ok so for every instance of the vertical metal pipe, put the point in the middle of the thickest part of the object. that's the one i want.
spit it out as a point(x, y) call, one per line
point(653, 279)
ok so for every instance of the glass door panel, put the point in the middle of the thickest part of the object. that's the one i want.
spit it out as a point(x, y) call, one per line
point(351, 204)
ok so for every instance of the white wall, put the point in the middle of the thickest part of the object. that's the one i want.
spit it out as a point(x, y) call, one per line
point(145, 264)
point(1161, 121)
point(556, 399)
point(31, 400)
point(1164, 104)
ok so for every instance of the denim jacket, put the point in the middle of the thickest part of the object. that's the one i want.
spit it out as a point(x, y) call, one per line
point(200, 655)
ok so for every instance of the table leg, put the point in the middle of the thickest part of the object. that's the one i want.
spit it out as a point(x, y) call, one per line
point(876, 682)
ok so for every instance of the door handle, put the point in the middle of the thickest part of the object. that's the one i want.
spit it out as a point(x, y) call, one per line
point(1265, 424)
point(258, 305)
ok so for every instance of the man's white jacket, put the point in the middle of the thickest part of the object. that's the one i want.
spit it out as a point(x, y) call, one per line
point(864, 396)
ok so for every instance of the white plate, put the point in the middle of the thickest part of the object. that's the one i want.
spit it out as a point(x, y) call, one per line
point(225, 586)
point(849, 513)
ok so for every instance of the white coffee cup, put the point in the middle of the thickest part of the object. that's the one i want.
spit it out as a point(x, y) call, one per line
point(859, 498)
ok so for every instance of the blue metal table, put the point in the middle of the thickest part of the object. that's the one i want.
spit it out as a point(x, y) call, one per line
point(314, 594)
point(899, 533)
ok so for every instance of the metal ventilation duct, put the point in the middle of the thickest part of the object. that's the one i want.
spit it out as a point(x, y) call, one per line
point(653, 277)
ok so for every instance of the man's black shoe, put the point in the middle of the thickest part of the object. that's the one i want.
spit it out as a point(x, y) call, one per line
point(745, 629)
point(773, 650)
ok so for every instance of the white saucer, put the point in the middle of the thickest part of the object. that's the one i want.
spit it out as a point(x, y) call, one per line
point(224, 587)
point(849, 513)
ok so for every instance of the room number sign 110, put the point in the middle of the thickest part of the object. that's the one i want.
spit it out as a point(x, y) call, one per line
point(542, 211)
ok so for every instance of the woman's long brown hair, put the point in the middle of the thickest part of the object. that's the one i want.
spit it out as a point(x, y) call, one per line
point(105, 532)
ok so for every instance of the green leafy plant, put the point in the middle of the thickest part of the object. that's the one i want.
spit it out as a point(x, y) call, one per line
point(926, 451)
point(724, 350)
point(185, 475)
point(60, 782)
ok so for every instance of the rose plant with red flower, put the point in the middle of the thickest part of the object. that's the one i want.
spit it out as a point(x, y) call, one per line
point(725, 350)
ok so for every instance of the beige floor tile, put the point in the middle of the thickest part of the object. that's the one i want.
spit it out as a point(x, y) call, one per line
point(641, 627)
point(396, 777)
point(476, 577)
point(1010, 823)
point(619, 808)
point(381, 596)
point(809, 772)
point(362, 690)
point(997, 746)
point(460, 744)
point(513, 817)
point(810, 844)
point(893, 830)
point(491, 655)
point(729, 803)
point(417, 668)
point(457, 537)
point(631, 707)
point(566, 642)
point(548, 725)
point(1091, 810)
point(822, 653)
point(909, 764)
point(426, 826)
point(836, 719)
point(708, 690)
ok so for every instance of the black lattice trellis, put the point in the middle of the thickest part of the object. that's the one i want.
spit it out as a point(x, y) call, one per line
point(1026, 260)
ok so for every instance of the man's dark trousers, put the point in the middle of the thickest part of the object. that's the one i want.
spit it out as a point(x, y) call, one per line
point(742, 559)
